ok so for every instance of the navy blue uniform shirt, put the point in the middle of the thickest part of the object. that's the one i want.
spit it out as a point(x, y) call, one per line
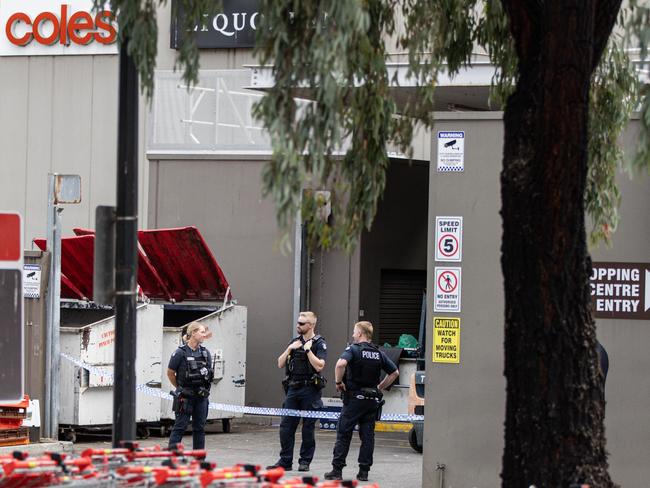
point(351, 354)
point(178, 357)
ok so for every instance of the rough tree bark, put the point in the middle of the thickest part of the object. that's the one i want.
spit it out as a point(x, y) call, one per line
point(554, 432)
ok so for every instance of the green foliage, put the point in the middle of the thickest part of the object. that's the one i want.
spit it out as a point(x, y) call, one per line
point(337, 49)
point(493, 34)
point(639, 37)
point(638, 26)
point(137, 22)
point(613, 97)
point(641, 160)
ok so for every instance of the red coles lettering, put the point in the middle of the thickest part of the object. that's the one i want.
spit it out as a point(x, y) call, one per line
point(47, 28)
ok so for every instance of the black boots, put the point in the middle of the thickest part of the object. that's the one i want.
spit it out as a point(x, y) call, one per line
point(335, 474)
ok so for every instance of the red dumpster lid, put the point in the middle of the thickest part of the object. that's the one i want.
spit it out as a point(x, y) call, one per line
point(68, 290)
point(76, 266)
point(148, 278)
point(184, 263)
point(173, 264)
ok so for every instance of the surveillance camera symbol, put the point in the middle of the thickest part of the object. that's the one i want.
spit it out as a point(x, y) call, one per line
point(451, 145)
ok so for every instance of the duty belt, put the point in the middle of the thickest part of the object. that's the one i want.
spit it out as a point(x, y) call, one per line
point(367, 394)
point(295, 383)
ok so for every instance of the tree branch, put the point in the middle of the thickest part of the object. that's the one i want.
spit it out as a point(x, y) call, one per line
point(605, 18)
point(525, 22)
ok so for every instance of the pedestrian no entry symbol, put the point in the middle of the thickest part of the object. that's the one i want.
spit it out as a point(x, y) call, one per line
point(447, 290)
point(449, 238)
point(446, 340)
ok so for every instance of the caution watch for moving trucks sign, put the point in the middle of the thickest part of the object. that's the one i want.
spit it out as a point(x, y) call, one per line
point(621, 290)
point(446, 290)
point(446, 339)
point(11, 308)
point(449, 238)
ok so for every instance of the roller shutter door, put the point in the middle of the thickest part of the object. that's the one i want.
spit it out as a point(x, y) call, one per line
point(400, 302)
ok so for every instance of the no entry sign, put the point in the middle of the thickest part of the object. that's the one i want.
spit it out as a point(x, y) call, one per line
point(449, 238)
point(447, 290)
point(621, 290)
point(11, 307)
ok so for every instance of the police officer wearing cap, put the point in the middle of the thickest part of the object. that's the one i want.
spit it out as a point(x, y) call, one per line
point(357, 376)
point(190, 371)
point(303, 360)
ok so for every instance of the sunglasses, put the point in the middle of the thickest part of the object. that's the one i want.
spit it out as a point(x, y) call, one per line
point(302, 323)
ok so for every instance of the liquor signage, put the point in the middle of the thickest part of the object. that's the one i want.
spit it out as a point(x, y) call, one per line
point(232, 27)
point(621, 290)
point(46, 28)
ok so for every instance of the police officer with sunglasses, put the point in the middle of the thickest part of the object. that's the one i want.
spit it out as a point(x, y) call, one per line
point(303, 360)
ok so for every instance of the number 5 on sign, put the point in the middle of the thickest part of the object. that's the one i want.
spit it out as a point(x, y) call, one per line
point(449, 238)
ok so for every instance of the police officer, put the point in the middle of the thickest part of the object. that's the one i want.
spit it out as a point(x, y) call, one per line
point(357, 376)
point(190, 371)
point(303, 361)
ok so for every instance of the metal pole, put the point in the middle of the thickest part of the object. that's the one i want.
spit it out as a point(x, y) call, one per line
point(52, 346)
point(47, 426)
point(124, 427)
point(297, 270)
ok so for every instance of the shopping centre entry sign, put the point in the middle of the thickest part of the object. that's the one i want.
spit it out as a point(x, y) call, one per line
point(47, 28)
point(621, 290)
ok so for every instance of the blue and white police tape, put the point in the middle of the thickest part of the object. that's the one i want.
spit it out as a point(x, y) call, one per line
point(224, 407)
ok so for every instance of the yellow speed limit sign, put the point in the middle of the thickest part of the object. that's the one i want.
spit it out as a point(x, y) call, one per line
point(446, 339)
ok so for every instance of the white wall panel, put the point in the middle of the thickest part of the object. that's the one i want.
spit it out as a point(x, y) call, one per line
point(14, 74)
point(38, 145)
point(103, 148)
point(59, 114)
point(71, 129)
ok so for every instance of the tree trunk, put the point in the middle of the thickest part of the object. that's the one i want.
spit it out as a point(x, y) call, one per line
point(554, 431)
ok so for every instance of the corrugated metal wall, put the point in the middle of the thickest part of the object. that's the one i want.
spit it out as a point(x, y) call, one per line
point(58, 114)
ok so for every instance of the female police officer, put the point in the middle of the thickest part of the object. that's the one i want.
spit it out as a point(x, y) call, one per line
point(362, 363)
point(190, 371)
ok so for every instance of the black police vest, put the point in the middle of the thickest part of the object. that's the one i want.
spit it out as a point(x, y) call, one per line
point(298, 366)
point(365, 370)
point(195, 371)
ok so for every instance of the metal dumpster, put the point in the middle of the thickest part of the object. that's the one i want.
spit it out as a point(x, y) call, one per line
point(174, 266)
point(86, 394)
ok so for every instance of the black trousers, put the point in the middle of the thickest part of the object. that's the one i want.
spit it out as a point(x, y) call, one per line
point(196, 408)
point(355, 412)
point(299, 398)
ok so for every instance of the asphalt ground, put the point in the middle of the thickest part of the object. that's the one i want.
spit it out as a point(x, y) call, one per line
point(396, 465)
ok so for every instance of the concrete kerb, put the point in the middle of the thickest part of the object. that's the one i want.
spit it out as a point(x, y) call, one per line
point(37, 448)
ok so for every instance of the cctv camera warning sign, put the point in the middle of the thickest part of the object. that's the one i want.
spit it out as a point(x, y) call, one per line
point(451, 151)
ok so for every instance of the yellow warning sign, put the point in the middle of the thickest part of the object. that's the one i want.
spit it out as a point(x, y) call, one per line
point(446, 339)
